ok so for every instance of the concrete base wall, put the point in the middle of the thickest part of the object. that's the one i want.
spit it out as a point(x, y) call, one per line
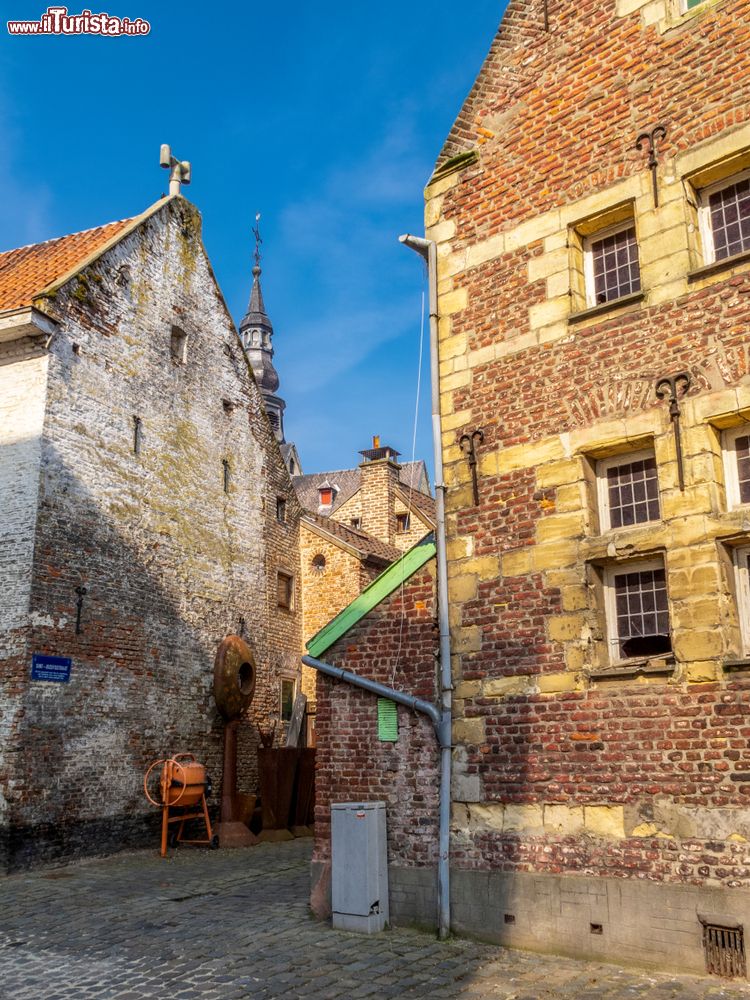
point(642, 923)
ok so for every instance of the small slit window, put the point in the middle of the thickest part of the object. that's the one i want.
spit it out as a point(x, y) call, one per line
point(284, 590)
point(628, 488)
point(611, 266)
point(281, 510)
point(178, 345)
point(637, 611)
point(318, 563)
point(403, 523)
point(287, 689)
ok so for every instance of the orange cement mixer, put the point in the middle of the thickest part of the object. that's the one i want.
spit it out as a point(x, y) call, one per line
point(183, 784)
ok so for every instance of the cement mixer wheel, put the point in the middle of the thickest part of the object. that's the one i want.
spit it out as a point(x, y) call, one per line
point(215, 842)
point(172, 839)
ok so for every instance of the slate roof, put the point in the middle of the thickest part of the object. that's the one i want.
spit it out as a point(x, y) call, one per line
point(366, 545)
point(347, 482)
point(27, 271)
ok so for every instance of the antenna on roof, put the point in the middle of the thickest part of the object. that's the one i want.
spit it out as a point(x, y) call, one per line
point(180, 170)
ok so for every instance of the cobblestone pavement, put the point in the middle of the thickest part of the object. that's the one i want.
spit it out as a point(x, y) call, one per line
point(231, 924)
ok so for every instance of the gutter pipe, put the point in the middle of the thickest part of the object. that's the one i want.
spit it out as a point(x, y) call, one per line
point(427, 249)
point(383, 691)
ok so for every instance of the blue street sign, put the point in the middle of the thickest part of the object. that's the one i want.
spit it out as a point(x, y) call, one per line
point(50, 668)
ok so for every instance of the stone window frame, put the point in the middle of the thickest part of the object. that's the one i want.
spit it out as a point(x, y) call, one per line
point(731, 472)
point(705, 226)
point(580, 236)
point(612, 636)
point(602, 465)
point(741, 565)
point(589, 274)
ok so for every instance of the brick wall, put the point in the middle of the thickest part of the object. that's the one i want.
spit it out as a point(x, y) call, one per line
point(394, 645)
point(171, 561)
point(569, 760)
point(328, 590)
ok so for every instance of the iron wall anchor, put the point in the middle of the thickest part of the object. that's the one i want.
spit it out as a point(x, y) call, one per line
point(676, 387)
point(656, 134)
point(468, 444)
point(81, 591)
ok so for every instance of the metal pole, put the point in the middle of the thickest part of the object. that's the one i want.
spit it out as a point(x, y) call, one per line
point(428, 250)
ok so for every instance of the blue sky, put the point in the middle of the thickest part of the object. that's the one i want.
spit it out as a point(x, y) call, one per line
point(326, 118)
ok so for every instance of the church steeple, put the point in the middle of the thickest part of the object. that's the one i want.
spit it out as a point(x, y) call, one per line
point(256, 333)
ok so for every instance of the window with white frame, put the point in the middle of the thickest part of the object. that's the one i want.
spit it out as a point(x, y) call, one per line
point(742, 569)
point(628, 488)
point(610, 264)
point(736, 450)
point(637, 610)
point(724, 216)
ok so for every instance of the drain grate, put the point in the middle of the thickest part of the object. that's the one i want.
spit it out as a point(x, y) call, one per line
point(724, 948)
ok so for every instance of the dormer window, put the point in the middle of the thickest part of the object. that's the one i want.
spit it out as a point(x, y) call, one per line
point(326, 494)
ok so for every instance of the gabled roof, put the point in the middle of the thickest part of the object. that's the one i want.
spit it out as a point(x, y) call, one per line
point(420, 503)
point(28, 272)
point(25, 272)
point(364, 545)
point(371, 596)
point(347, 482)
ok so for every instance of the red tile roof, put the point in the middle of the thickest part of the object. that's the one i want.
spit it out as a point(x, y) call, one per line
point(25, 272)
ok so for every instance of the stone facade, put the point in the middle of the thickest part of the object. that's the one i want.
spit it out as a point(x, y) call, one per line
point(574, 758)
point(171, 526)
point(601, 766)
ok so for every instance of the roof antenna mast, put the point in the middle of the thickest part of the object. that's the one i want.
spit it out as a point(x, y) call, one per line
point(180, 172)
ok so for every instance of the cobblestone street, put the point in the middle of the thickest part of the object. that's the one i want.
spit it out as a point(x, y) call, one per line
point(232, 924)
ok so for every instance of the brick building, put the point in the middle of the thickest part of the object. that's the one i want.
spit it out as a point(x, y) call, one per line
point(140, 485)
point(599, 589)
point(355, 523)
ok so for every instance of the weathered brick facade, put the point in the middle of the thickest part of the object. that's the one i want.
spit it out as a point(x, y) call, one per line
point(173, 556)
point(394, 645)
point(571, 758)
point(600, 781)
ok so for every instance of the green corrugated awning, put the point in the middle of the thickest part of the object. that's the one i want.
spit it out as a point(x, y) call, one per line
point(380, 588)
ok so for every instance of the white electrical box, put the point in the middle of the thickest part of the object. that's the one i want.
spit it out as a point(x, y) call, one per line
point(359, 866)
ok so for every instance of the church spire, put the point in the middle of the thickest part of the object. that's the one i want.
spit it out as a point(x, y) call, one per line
point(256, 332)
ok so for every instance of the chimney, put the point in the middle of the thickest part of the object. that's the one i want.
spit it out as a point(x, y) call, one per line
point(379, 477)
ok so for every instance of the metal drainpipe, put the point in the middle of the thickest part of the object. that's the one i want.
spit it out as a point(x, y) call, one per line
point(442, 725)
point(427, 249)
point(383, 691)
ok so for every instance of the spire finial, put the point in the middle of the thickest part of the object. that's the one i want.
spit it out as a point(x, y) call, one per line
point(258, 241)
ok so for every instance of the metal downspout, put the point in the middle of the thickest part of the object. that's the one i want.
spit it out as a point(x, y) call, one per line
point(382, 691)
point(427, 249)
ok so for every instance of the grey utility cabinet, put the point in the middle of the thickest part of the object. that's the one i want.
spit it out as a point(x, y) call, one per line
point(359, 866)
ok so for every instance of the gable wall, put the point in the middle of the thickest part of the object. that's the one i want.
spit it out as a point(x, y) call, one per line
point(171, 562)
